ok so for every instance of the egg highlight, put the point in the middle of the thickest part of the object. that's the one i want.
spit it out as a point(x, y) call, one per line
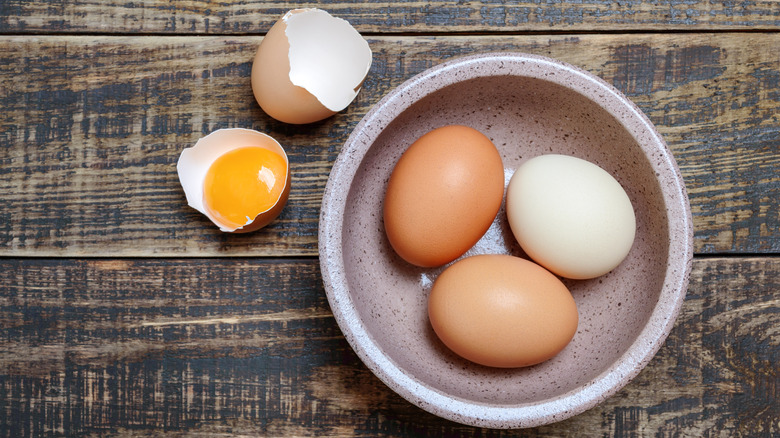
point(309, 66)
point(238, 178)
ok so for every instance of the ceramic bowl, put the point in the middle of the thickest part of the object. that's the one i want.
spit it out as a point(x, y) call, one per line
point(528, 105)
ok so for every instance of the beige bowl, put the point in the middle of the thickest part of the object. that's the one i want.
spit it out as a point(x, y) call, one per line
point(528, 105)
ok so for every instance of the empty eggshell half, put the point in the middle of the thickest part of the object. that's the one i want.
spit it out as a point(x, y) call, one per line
point(309, 66)
point(194, 163)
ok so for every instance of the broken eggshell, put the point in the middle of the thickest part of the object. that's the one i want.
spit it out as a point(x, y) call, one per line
point(309, 66)
point(194, 163)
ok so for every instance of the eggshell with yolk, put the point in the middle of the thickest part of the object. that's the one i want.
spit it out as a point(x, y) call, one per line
point(194, 163)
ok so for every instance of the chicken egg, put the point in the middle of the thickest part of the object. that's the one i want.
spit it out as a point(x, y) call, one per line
point(238, 178)
point(502, 311)
point(442, 195)
point(309, 66)
point(570, 216)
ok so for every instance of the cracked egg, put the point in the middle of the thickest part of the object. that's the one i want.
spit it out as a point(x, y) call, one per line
point(238, 178)
point(309, 66)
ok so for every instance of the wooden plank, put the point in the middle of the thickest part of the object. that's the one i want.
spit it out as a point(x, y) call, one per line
point(256, 17)
point(92, 128)
point(224, 347)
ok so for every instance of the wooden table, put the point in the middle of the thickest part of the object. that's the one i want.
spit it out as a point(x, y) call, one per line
point(123, 311)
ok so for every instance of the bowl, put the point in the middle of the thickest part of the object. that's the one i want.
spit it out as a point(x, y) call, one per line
point(528, 105)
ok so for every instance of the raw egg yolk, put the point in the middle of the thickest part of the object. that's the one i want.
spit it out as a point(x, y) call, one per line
point(243, 183)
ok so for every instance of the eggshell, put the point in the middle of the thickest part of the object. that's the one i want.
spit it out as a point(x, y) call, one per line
point(570, 216)
point(502, 311)
point(194, 163)
point(309, 66)
point(442, 195)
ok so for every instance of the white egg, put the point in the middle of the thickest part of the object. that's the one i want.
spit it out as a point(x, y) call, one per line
point(570, 216)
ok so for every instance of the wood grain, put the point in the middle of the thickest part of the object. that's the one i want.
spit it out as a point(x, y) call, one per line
point(224, 347)
point(256, 17)
point(123, 312)
point(92, 128)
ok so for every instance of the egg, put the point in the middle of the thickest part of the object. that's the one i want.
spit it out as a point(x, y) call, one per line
point(309, 66)
point(502, 311)
point(238, 178)
point(570, 216)
point(442, 195)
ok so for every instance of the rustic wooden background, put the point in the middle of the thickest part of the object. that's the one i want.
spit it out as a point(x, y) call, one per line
point(124, 312)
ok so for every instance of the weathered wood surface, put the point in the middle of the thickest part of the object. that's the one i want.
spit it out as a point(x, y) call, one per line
point(249, 346)
point(176, 329)
point(91, 129)
point(256, 17)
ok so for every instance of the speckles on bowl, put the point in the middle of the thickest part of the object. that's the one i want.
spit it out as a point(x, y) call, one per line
point(528, 106)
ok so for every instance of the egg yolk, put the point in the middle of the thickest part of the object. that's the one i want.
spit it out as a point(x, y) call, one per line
point(243, 183)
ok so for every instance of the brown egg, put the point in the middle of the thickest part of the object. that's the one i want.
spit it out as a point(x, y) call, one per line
point(442, 195)
point(502, 311)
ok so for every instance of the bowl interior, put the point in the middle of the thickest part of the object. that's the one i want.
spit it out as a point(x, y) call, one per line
point(533, 107)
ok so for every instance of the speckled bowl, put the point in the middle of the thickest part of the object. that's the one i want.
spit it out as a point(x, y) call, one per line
point(528, 105)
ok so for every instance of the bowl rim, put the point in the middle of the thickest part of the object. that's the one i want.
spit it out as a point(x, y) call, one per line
point(679, 257)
